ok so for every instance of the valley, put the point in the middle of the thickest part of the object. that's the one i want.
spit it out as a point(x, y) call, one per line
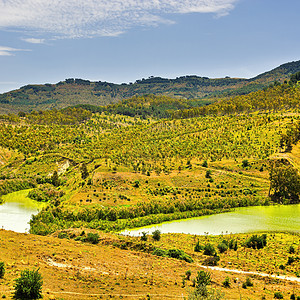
point(143, 161)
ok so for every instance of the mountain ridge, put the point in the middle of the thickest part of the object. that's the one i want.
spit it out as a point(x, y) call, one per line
point(74, 91)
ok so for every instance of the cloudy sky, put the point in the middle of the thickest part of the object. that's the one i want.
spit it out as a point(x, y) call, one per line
point(44, 41)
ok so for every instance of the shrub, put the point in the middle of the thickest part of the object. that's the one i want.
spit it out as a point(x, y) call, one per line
point(198, 247)
point(159, 252)
point(2, 269)
point(233, 245)
point(205, 164)
point(249, 282)
point(203, 278)
point(29, 285)
point(208, 174)
point(188, 274)
point(257, 242)
point(179, 254)
point(92, 238)
point(291, 250)
point(209, 249)
point(226, 282)
point(278, 295)
point(144, 236)
point(222, 247)
point(245, 163)
point(156, 235)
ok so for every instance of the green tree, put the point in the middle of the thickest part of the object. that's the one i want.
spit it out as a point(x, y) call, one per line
point(55, 179)
point(2, 269)
point(284, 183)
point(84, 171)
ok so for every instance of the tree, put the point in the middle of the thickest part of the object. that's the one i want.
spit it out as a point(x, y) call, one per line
point(29, 285)
point(54, 179)
point(284, 182)
point(156, 235)
point(2, 269)
point(84, 171)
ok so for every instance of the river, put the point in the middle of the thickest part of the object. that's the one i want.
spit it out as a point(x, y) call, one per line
point(16, 211)
point(241, 220)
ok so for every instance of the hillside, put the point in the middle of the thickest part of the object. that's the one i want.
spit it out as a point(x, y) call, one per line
point(101, 170)
point(78, 91)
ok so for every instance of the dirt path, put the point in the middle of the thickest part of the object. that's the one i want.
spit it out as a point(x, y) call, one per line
point(281, 277)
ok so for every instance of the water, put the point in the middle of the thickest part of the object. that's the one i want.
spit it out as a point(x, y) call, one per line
point(16, 212)
point(242, 220)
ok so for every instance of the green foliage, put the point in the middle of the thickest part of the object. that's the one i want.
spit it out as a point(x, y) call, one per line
point(284, 183)
point(46, 193)
point(291, 249)
point(173, 253)
point(226, 282)
point(223, 246)
point(208, 174)
point(156, 235)
point(205, 164)
point(209, 249)
point(28, 285)
point(84, 171)
point(198, 247)
point(248, 282)
point(92, 238)
point(295, 78)
point(278, 295)
point(233, 244)
point(144, 236)
point(245, 163)
point(188, 274)
point(55, 179)
point(12, 185)
point(2, 269)
point(256, 242)
point(202, 280)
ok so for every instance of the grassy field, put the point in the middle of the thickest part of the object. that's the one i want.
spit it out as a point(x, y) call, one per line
point(75, 270)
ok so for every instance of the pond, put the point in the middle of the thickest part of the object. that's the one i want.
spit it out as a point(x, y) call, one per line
point(16, 211)
point(241, 220)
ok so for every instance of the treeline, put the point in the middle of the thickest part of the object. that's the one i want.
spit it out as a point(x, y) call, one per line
point(273, 99)
point(142, 214)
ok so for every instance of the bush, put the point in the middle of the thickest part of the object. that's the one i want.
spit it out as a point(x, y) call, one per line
point(203, 278)
point(144, 236)
point(233, 245)
point(245, 163)
point(2, 269)
point(188, 274)
point(198, 247)
point(222, 247)
point(291, 250)
point(257, 242)
point(159, 252)
point(29, 285)
point(179, 254)
point(249, 282)
point(92, 238)
point(209, 249)
point(156, 235)
point(226, 282)
point(278, 295)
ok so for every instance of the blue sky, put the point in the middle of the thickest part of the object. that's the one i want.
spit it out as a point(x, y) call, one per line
point(44, 41)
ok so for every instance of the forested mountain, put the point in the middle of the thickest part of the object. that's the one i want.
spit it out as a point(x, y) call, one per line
point(78, 91)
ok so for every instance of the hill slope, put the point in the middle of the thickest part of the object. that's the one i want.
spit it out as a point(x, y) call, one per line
point(78, 91)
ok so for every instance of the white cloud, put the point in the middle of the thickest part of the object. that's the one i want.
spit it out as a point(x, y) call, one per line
point(8, 51)
point(87, 18)
point(34, 41)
